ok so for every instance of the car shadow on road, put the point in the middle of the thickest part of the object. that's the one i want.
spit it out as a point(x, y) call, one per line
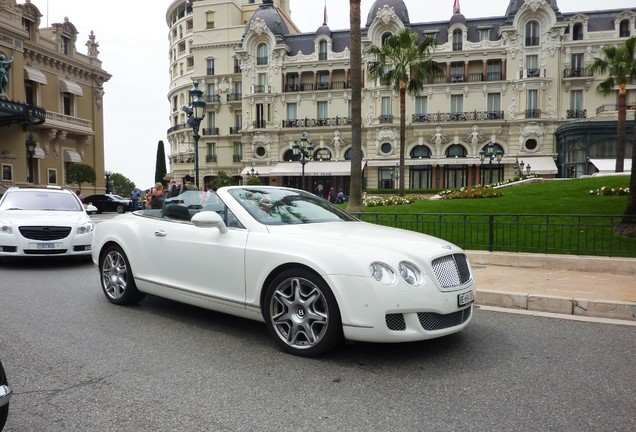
point(44, 263)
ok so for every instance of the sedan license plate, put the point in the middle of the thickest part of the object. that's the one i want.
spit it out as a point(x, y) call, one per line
point(47, 245)
point(465, 298)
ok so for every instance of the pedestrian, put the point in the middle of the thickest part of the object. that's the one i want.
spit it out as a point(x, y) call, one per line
point(340, 198)
point(319, 191)
point(173, 190)
point(79, 195)
point(156, 196)
point(188, 184)
point(332, 196)
point(134, 199)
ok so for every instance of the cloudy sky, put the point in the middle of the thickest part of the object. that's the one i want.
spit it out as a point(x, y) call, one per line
point(133, 45)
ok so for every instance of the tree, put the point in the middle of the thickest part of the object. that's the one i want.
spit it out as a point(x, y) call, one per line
point(79, 173)
point(355, 40)
point(404, 63)
point(121, 185)
point(160, 167)
point(619, 63)
point(629, 217)
point(222, 179)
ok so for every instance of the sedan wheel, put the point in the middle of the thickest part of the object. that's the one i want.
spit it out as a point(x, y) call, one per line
point(302, 314)
point(116, 277)
point(4, 411)
point(120, 208)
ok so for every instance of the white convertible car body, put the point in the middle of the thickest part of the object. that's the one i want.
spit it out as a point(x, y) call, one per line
point(313, 273)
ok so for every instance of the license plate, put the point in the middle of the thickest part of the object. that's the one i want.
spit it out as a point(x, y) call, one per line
point(47, 245)
point(465, 298)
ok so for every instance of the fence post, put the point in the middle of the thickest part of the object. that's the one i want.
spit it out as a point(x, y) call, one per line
point(491, 232)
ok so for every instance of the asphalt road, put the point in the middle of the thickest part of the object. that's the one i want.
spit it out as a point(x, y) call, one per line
point(78, 363)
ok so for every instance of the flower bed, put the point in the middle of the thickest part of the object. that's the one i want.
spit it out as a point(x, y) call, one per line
point(606, 191)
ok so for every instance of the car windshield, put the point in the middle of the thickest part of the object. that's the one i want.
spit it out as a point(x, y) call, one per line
point(40, 200)
point(287, 206)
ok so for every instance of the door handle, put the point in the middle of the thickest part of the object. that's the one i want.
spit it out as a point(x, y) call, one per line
point(161, 233)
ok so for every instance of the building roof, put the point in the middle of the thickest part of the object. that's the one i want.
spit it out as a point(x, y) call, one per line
point(398, 6)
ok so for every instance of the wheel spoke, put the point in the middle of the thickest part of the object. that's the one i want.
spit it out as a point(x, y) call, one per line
point(114, 275)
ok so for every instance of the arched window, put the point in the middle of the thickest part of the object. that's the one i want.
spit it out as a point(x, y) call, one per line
point(624, 28)
point(420, 151)
point(577, 32)
point(322, 154)
point(457, 40)
point(261, 54)
point(289, 156)
point(456, 150)
point(322, 50)
point(532, 33)
point(385, 36)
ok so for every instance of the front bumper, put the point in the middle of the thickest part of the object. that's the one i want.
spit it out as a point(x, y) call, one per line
point(372, 312)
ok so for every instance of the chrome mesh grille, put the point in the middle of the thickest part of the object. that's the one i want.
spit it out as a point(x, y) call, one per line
point(451, 270)
point(45, 232)
point(395, 322)
point(431, 321)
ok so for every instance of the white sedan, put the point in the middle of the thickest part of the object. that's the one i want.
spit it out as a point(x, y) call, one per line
point(44, 221)
point(313, 273)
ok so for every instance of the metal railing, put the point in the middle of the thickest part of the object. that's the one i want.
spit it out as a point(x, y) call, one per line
point(548, 234)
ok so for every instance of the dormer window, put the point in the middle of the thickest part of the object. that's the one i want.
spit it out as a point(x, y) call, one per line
point(532, 33)
point(322, 50)
point(624, 28)
point(457, 40)
point(385, 36)
point(66, 45)
point(261, 54)
point(577, 31)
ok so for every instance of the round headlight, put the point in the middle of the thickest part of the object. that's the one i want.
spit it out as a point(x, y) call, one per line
point(383, 273)
point(411, 273)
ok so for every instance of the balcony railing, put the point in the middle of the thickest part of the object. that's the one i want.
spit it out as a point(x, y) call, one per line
point(339, 85)
point(575, 73)
point(261, 61)
point(322, 56)
point(210, 131)
point(234, 97)
point(457, 78)
point(463, 116)
point(307, 87)
point(385, 118)
point(176, 128)
point(322, 86)
point(210, 71)
point(210, 158)
point(532, 40)
point(493, 76)
point(292, 88)
point(610, 107)
point(258, 88)
point(259, 124)
point(307, 122)
point(213, 98)
point(237, 158)
point(533, 73)
point(576, 113)
point(235, 130)
point(533, 113)
point(457, 46)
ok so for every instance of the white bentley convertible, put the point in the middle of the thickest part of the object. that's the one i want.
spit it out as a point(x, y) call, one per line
point(313, 273)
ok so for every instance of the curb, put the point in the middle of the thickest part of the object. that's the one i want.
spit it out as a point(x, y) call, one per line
point(559, 305)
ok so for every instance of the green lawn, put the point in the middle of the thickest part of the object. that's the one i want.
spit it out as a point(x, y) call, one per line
point(559, 216)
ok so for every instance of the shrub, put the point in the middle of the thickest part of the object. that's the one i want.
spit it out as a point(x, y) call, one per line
point(376, 201)
point(472, 192)
point(606, 191)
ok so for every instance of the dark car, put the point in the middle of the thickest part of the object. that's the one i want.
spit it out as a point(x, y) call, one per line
point(108, 203)
point(5, 395)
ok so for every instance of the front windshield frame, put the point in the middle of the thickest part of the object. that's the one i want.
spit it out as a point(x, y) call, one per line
point(284, 206)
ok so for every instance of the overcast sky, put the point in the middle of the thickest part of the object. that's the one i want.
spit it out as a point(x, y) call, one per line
point(133, 45)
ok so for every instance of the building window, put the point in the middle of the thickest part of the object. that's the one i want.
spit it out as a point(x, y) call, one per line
point(261, 54)
point(457, 104)
point(457, 40)
point(210, 152)
point(209, 20)
point(322, 110)
point(385, 177)
point(386, 148)
point(532, 66)
point(66, 45)
point(238, 151)
point(624, 28)
point(493, 68)
point(211, 118)
point(210, 66)
point(7, 172)
point(420, 151)
point(52, 175)
point(322, 50)
point(68, 102)
point(457, 72)
point(456, 150)
point(30, 92)
point(576, 105)
point(421, 105)
point(532, 33)
point(322, 154)
point(532, 104)
point(494, 105)
point(577, 31)
point(292, 111)
point(484, 34)
point(323, 81)
point(578, 68)
point(237, 65)
point(385, 36)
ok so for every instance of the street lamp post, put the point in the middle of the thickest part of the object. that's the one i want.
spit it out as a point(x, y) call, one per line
point(304, 149)
point(252, 174)
point(491, 153)
point(195, 113)
point(30, 146)
point(107, 174)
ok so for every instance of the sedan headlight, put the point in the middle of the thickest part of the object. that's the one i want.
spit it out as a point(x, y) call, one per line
point(5, 228)
point(383, 273)
point(411, 273)
point(85, 228)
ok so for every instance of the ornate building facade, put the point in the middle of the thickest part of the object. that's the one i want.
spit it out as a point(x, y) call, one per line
point(51, 109)
point(510, 83)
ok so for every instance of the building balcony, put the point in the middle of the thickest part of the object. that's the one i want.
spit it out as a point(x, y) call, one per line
point(210, 158)
point(457, 78)
point(259, 124)
point(572, 114)
point(213, 98)
point(385, 118)
point(307, 122)
point(260, 89)
point(210, 131)
point(177, 128)
point(234, 97)
point(236, 130)
point(533, 113)
point(575, 73)
point(452, 117)
point(237, 158)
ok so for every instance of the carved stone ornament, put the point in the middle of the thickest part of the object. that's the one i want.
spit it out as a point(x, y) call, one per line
point(531, 130)
point(386, 135)
point(260, 139)
point(535, 4)
point(386, 14)
point(258, 26)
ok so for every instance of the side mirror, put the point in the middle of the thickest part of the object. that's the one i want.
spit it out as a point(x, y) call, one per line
point(209, 219)
point(90, 208)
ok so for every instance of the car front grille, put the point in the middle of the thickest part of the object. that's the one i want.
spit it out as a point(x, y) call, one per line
point(44, 251)
point(451, 271)
point(431, 321)
point(395, 322)
point(45, 233)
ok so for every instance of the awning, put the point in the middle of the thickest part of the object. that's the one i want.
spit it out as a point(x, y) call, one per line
point(35, 75)
point(39, 153)
point(67, 86)
point(314, 168)
point(609, 165)
point(263, 171)
point(72, 156)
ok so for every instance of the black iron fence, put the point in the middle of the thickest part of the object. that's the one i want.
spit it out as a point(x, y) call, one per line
point(549, 234)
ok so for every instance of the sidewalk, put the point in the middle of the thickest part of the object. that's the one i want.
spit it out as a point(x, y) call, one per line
point(563, 284)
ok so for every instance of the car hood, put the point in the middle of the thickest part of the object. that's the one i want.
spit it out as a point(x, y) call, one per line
point(366, 236)
point(29, 217)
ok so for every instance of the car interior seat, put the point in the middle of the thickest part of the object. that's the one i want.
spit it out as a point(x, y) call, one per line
point(176, 211)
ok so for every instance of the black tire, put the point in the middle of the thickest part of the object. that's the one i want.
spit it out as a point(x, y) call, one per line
point(301, 313)
point(4, 411)
point(120, 208)
point(116, 277)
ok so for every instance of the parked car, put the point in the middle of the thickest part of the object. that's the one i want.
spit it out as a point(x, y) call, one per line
point(44, 221)
point(5, 395)
point(108, 203)
point(312, 272)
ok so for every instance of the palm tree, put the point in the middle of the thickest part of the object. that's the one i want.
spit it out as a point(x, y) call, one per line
point(629, 217)
point(405, 63)
point(355, 188)
point(619, 63)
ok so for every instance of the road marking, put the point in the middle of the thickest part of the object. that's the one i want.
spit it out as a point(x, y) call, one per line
point(558, 316)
